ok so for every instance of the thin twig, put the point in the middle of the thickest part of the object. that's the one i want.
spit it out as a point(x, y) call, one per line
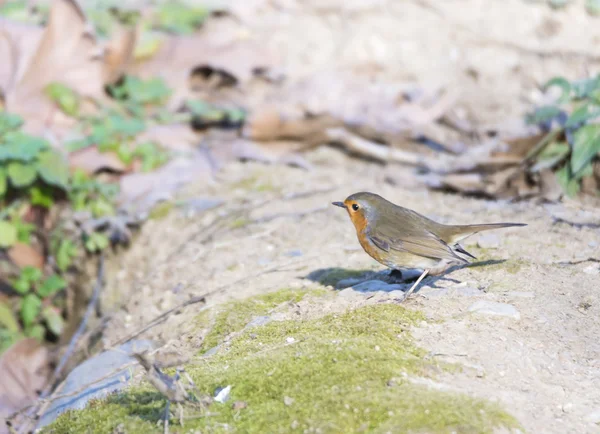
point(580, 261)
point(160, 319)
point(200, 298)
point(91, 307)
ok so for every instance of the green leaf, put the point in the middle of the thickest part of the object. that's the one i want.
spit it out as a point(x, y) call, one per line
point(586, 87)
point(593, 7)
point(41, 196)
point(586, 145)
point(569, 186)
point(54, 320)
point(179, 18)
point(66, 99)
point(22, 286)
point(8, 234)
point(564, 86)
point(53, 169)
point(543, 114)
point(31, 274)
point(37, 331)
point(96, 242)
point(24, 230)
point(65, 253)
point(7, 318)
point(552, 155)
point(30, 309)
point(3, 183)
point(582, 114)
point(9, 122)
point(51, 285)
point(21, 147)
point(21, 174)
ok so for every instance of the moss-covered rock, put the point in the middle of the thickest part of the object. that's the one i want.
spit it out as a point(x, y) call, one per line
point(340, 374)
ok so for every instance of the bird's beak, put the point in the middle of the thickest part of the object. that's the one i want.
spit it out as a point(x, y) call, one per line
point(340, 204)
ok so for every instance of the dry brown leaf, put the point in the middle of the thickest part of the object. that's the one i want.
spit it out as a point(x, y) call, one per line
point(180, 58)
point(374, 110)
point(18, 42)
point(24, 255)
point(66, 51)
point(91, 161)
point(118, 55)
point(25, 370)
point(269, 123)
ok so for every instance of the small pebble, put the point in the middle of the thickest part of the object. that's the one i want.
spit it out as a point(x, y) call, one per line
point(288, 401)
point(495, 309)
point(593, 269)
point(294, 424)
point(290, 340)
point(488, 240)
point(239, 405)
point(222, 394)
point(376, 285)
point(594, 417)
point(593, 244)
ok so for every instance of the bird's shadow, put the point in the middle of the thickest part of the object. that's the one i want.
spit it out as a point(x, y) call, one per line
point(340, 278)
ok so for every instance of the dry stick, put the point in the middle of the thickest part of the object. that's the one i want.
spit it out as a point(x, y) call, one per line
point(382, 153)
point(160, 318)
point(91, 307)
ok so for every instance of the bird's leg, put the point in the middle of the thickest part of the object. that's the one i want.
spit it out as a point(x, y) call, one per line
point(396, 275)
point(166, 417)
point(412, 288)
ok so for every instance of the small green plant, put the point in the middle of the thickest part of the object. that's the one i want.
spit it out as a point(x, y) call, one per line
point(572, 143)
point(36, 307)
point(35, 176)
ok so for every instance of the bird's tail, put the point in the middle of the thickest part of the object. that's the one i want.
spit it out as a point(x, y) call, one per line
point(460, 232)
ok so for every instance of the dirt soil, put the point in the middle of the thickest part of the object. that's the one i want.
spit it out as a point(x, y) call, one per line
point(542, 366)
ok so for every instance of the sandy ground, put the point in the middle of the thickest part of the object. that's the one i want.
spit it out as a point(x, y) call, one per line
point(543, 366)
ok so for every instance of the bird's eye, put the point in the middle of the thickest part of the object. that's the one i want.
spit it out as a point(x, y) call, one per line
point(355, 207)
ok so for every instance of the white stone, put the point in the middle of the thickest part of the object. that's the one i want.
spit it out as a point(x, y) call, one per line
point(495, 309)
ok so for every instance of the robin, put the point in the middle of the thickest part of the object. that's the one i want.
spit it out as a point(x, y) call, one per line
point(402, 239)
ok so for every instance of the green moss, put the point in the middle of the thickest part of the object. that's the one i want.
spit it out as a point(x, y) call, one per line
point(253, 183)
point(161, 210)
point(337, 371)
point(239, 223)
point(233, 317)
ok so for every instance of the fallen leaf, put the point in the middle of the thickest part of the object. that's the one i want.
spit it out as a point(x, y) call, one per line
point(118, 55)
point(183, 60)
point(143, 190)
point(91, 161)
point(24, 255)
point(25, 370)
point(66, 52)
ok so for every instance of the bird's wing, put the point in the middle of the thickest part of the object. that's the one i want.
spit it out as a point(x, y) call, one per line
point(411, 239)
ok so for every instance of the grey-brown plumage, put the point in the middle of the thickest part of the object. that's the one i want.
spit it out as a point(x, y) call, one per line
point(401, 238)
